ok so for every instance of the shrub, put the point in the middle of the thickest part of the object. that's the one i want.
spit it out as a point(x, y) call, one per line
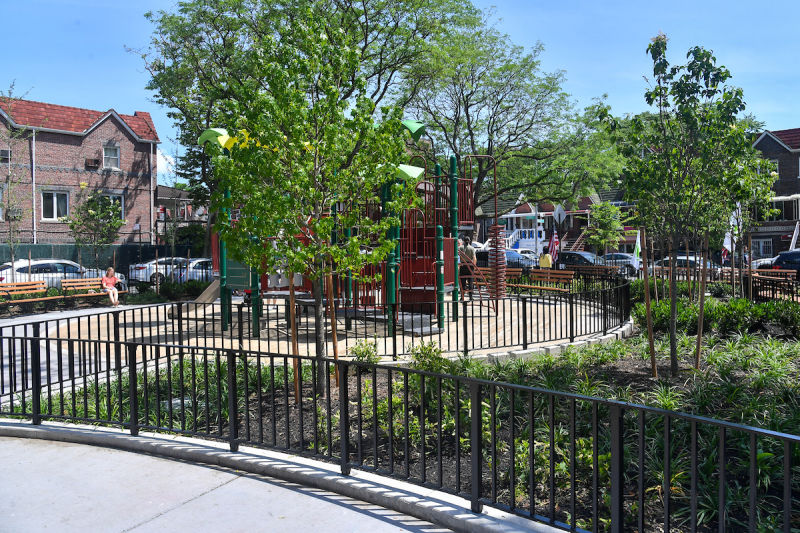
point(365, 351)
point(637, 289)
point(719, 289)
point(428, 356)
point(194, 288)
point(52, 291)
point(171, 290)
point(145, 297)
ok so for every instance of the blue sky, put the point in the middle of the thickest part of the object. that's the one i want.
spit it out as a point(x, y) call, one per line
point(73, 52)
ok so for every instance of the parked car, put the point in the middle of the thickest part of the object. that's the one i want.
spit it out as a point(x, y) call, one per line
point(626, 261)
point(50, 270)
point(513, 259)
point(568, 259)
point(152, 271)
point(682, 261)
point(764, 262)
point(530, 254)
point(200, 270)
point(789, 260)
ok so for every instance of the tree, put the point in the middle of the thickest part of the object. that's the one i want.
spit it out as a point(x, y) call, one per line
point(690, 161)
point(12, 205)
point(605, 227)
point(488, 96)
point(95, 222)
point(196, 59)
point(305, 141)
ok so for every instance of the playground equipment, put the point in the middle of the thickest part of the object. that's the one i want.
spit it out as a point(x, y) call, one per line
point(421, 270)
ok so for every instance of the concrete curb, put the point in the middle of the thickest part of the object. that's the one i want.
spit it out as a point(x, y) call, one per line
point(422, 503)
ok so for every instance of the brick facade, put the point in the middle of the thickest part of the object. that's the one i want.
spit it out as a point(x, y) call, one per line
point(59, 159)
point(782, 146)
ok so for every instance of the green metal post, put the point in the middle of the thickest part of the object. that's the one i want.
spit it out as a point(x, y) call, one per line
point(440, 275)
point(437, 180)
point(454, 228)
point(391, 267)
point(224, 292)
point(255, 302)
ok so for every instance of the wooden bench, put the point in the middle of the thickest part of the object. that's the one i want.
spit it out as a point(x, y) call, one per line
point(8, 290)
point(787, 275)
point(546, 279)
point(86, 284)
point(597, 270)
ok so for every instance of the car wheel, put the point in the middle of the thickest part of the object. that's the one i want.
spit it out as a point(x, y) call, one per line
point(630, 271)
point(157, 278)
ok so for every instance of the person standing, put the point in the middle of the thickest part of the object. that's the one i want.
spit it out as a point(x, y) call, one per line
point(109, 284)
point(546, 260)
point(469, 253)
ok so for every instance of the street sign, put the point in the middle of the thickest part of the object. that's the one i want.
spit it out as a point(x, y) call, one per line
point(559, 214)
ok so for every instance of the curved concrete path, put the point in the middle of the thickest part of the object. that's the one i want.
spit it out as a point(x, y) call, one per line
point(61, 486)
point(65, 477)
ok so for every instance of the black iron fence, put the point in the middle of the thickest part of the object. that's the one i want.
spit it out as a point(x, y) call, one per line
point(468, 326)
point(565, 459)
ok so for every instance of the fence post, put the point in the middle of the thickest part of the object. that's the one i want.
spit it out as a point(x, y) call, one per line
point(344, 418)
point(36, 375)
point(117, 346)
point(393, 320)
point(604, 308)
point(571, 317)
point(240, 318)
point(616, 427)
point(524, 323)
point(233, 423)
point(466, 327)
point(475, 443)
point(133, 396)
point(180, 323)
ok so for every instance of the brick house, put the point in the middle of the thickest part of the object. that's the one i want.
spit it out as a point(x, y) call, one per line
point(783, 148)
point(56, 148)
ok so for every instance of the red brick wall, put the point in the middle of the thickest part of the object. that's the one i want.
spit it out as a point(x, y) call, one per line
point(60, 166)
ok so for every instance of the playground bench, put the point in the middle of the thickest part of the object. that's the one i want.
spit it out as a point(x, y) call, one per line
point(548, 280)
point(597, 270)
point(86, 284)
point(783, 275)
point(8, 290)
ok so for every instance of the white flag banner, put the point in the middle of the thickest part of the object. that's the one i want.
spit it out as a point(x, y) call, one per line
point(637, 250)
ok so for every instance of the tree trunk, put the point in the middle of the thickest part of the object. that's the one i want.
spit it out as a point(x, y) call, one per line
point(648, 310)
point(673, 307)
point(319, 328)
point(704, 256)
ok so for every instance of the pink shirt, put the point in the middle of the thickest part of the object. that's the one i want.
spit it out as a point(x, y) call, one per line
point(109, 283)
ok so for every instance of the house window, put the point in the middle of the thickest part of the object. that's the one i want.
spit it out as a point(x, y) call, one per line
point(120, 201)
point(5, 156)
point(54, 205)
point(111, 156)
point(777, 166)
point(762, 248)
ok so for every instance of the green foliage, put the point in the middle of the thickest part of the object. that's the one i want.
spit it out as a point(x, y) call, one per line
point(175, 291)
point(95, 222)
point(690, 162)
point(428, 356)
point(365, 351)
point(720, 289)
point(517, 113)
point(735, 316)
point(145, 297)
point(606, 227)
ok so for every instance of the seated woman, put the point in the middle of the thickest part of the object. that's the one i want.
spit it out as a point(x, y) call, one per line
point(109, 285)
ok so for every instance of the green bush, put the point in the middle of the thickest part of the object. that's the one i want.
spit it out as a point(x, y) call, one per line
point(637, 289)
point(428, 356)
point(365, 351)
point(52, 291)
point(736, 316)
point(719, 289)
point(145, 297)
point(194, 288)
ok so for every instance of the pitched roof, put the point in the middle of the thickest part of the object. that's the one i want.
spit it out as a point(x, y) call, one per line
point(73, 119)
point(790, 138)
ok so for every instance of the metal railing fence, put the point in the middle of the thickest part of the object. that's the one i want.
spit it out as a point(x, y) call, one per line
point(576, 462)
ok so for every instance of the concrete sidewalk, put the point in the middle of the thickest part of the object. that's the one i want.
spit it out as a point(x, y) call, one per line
point(61, 486)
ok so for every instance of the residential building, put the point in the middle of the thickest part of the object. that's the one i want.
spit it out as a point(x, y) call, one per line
point(774, 235)
point(174, 208)
point(57, 154)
